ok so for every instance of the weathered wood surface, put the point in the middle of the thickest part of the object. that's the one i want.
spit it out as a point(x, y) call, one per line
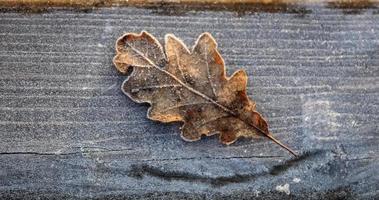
point(67, 131)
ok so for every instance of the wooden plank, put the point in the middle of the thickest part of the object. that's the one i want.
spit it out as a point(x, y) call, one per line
point(107, 3)
point(67, 131)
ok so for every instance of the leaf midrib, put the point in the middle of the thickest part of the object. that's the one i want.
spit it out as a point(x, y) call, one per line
point(225, 109)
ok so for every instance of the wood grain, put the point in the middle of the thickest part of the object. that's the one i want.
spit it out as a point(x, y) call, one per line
point(107, 3)
point(67, 131)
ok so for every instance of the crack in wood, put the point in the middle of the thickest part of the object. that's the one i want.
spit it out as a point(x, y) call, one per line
point(83, 151)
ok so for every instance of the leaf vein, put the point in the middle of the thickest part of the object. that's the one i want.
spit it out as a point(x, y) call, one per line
point(211, 120)
point(155, 87)
point(180, 66)
point(208, 72)
point(182, 105)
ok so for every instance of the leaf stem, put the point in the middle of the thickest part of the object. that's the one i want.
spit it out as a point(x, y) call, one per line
point(281, 144)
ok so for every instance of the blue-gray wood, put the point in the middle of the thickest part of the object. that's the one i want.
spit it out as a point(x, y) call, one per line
point(67, 131)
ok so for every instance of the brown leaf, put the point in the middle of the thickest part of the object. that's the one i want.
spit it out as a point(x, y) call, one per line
point(189, 86)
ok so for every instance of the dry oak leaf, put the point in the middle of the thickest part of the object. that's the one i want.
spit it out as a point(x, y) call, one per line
point(189, 86)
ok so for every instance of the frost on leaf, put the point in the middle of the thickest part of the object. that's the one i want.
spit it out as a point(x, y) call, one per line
point(189, 86)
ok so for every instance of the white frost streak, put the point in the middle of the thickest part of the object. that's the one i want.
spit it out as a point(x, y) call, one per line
point(283, 188)
point(296, 180)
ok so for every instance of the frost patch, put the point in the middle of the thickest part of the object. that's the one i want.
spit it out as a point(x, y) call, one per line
point(296, 180)
point(283, 188)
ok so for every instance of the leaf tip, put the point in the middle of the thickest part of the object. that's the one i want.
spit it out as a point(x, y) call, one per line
point(205, 38)
point(207, 35)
